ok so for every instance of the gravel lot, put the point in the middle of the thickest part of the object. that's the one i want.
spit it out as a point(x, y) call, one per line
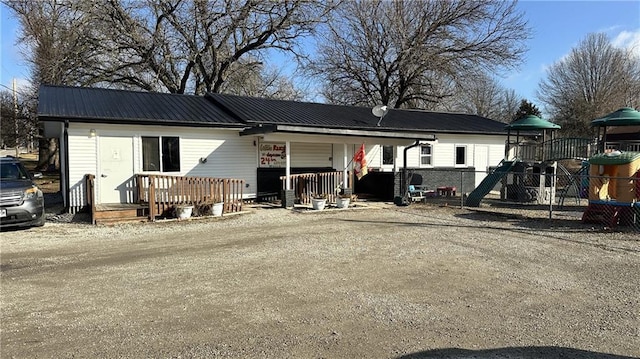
point(413, 282)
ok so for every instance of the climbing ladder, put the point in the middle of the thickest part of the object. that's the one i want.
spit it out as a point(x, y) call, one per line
point(488, 183)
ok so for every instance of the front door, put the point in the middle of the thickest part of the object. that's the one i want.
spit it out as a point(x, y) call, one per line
point(115, 170)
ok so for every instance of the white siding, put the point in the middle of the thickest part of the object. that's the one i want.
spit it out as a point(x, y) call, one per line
point(228, 154)
point(311, 154)
point(438, 151)
point(444, 150)
point(338, 155)
point(82, 161)
point(232, 156)
point(373, 155)
point(444, 154)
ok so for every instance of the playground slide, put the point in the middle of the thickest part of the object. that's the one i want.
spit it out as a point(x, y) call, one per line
point(474, 198)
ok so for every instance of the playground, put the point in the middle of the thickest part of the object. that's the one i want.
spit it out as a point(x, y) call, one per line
point(539, 168)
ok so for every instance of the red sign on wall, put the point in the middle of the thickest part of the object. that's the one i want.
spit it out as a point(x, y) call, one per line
point(273, 155)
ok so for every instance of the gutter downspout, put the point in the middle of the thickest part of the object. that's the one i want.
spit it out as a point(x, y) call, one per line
point(403, 178)
point(65, 137)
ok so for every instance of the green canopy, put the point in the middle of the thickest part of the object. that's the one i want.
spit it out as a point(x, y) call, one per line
point(531, 122)
point(625, 116)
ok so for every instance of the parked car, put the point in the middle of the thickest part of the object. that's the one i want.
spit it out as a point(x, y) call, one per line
point(21, 201)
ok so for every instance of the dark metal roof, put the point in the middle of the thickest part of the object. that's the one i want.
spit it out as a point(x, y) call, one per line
point(82, 104)
point(281, 112)
point(118, 106)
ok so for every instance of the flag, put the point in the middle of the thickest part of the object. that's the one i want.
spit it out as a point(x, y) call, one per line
point(360, 163)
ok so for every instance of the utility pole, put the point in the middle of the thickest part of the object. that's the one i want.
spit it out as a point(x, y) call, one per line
point(15, 115)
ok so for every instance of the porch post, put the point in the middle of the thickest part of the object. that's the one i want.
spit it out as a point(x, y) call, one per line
point(395, 157)
point(288, 164)
point(288, 196)
point(345, 163)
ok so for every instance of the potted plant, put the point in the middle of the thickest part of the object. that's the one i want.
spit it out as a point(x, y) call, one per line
point(184, 211)
point(217, 209)
point(218, 203)
point(318, 202)
point(343, 200)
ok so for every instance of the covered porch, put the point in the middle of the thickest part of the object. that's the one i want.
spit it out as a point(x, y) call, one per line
point(317, 162)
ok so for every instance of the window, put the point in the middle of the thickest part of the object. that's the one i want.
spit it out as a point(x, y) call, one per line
point(461, 155)
point(425, 155)
point(161, 154)
point(387, 155)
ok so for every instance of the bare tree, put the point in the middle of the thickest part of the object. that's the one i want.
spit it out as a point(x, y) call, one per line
point(592, 81)
point(16, 126)
point(510, 104)
point(55, 39)
point(184, 46)
point(483, 95)
point(178, 46)
point(480, 95)
point(259, 81)
point(409, 53)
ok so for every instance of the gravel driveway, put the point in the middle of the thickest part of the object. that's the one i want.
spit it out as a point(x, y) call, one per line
point(415, 282)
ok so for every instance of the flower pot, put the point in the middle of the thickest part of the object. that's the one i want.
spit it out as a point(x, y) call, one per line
point(318, 204)
point(184, 212)
point(216, 209)
point(342, 202)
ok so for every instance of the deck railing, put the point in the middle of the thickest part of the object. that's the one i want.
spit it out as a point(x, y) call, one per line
point(553, 150)
point(624, 146)
point(568, 148)
point(164, 193)
point(308, 185)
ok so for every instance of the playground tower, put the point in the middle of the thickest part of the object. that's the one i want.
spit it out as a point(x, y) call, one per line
point(614, 174)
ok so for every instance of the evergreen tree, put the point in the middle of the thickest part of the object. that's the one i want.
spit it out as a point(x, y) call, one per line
point(526, 108)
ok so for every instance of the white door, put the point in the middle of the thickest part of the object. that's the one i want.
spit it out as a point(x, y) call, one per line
point(481, 162)
point(115, 170)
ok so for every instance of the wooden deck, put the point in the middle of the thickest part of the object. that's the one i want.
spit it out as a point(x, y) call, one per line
point(158, 195)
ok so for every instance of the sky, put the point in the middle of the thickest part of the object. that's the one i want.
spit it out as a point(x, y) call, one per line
point(557, 26)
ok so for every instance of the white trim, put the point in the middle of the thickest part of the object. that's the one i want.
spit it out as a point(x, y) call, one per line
point(387, 166)
point(455, 155)
point(348, 132)
point(430, 156)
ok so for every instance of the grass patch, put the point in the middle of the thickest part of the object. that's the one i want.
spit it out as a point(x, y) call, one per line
point(50, 181)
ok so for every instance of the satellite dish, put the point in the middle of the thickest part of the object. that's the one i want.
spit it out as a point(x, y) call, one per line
point(380, 110)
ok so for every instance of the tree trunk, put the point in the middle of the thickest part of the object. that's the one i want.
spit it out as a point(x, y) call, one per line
point(48, 156)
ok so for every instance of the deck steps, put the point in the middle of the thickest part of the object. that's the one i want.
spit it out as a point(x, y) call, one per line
point(112, 221)
point(112, 214)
